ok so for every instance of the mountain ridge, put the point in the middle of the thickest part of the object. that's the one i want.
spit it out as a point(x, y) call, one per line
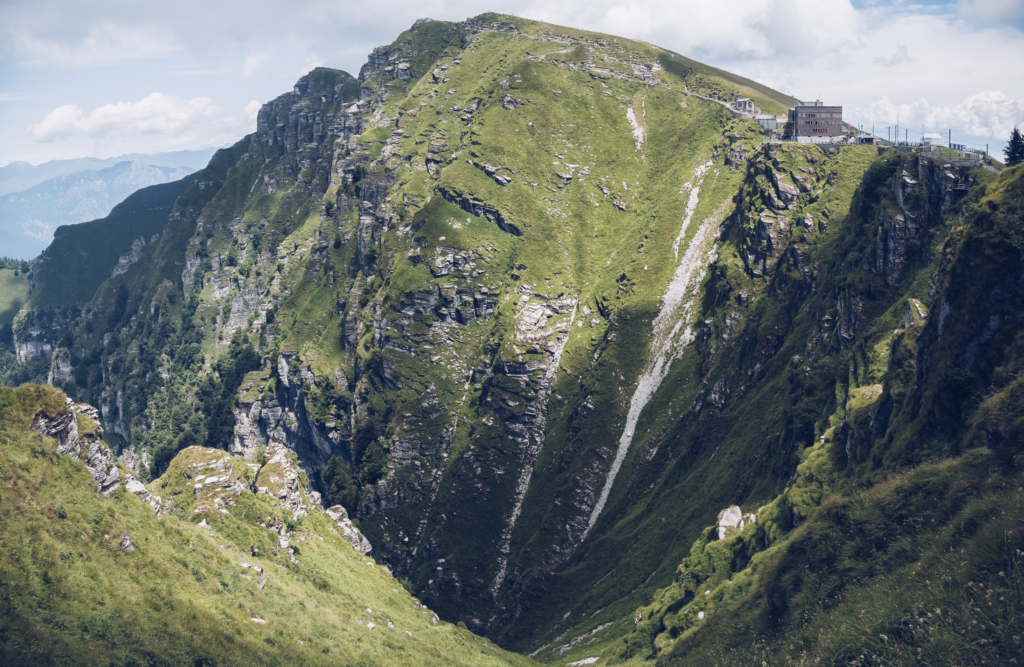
point(20, 175)
point(543, 310)
point(28, 218)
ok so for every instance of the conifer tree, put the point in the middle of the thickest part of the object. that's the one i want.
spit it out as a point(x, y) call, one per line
point(1014, 151)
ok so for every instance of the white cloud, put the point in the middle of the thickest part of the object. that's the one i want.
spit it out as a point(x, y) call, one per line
point(252, 110)
point(254, 63)
point(154, 114)
point(11, 97)
point(899, 56)
point(312, 61)
point(737, 29)
point(100, 44)
point(987, 114)
point(173, 121)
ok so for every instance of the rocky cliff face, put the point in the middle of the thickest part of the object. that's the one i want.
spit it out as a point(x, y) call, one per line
point(550, 310)
point(85, 444)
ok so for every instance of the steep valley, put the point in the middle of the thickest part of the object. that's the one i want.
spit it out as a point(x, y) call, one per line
point(593, 370)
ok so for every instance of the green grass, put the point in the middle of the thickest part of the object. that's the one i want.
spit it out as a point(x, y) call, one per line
point(82, 256)
point(13, 294)
point(926, 567)
point(892, 526)
point(71, 596)
point(733, 422)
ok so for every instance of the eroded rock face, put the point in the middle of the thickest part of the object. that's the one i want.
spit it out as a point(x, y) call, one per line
point(133, 461)
point(60, 368)
point(87, 447)
point(924, 191)
point(32, 348)
point(340, 515)
point(282, 478)
point(283, 417)
point(213, 479)
point(133, 255)
point(481, 209)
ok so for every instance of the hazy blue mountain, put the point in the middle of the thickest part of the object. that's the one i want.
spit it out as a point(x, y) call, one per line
point(27, 219)
point(19, 176)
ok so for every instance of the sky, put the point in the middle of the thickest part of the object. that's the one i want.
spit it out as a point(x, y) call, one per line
point(109, 77)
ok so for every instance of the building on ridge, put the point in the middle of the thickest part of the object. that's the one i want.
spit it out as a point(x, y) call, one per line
point(816, 123)
point(746, 105)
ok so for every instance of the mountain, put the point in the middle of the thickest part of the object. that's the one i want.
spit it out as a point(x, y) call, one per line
point(596, 370)
point(83, 255)
point(27, 219)
point(18, 176)
point(189, 571)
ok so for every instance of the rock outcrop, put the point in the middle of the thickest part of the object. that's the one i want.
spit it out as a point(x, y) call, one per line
point(79, 435)
point(133, 255)
point(732, 519)
point(345, 526)
point(60, 368)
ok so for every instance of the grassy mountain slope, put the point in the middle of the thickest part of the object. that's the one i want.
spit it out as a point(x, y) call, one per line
point(82, 256)
point(538, 308)
point(73, 595)
point(14, 292)
point(909, 502)
point(13, 295)
point(716, 83)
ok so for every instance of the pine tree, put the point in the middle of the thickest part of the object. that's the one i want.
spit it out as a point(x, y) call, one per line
point(1014, 151)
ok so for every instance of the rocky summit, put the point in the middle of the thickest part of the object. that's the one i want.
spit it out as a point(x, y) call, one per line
point(572, 359)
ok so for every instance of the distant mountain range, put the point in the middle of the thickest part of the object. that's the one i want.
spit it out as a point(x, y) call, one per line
point(28, 218)
point(20, 176)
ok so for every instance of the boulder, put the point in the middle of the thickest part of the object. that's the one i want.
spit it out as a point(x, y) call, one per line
point(732, 520)
point(138, 488)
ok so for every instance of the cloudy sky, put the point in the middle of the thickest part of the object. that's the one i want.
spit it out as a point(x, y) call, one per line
point(113, 76)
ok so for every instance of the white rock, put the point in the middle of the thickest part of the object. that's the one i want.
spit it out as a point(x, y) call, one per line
point(370, 625)
point(138, 488)
point(337, 513)
point(258, 620)
point(730, 517)
point(700, 614)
